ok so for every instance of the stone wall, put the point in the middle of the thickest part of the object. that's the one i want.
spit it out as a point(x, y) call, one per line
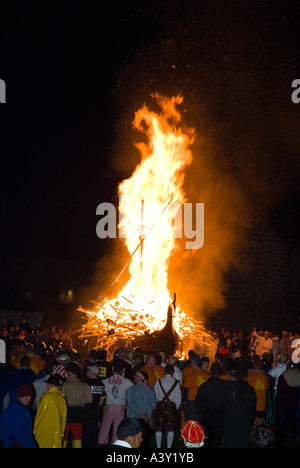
point(258, 287)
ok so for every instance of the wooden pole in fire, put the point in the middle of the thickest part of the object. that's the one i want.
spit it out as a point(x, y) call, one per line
point(142, 237)
point(138, 246)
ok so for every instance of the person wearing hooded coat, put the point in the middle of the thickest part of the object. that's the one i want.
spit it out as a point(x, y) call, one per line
point(288, 407)
point(51, 416)
point(239, 409)
point(209, 403)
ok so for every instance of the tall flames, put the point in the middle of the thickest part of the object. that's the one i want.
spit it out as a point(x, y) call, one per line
point(149, 203)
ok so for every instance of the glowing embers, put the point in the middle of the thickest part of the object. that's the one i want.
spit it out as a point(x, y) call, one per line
point(148, 201)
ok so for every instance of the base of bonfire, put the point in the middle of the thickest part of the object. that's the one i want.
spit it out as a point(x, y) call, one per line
point(129, 328)
point(165, 339)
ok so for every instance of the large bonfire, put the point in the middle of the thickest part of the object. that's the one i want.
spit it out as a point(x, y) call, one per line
point(150, 202)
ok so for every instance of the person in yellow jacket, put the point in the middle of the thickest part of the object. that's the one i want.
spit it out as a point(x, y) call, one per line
point(51, 417)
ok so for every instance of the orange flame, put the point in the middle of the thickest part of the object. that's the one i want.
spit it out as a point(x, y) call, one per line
point(149, 201)
point(158, 181)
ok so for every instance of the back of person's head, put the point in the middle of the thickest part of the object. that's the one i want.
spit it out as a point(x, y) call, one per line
point(258, 364)
point(173, 360)
point(150, 359)
point(215, 369)
point(191, 353)
point(130, 354)
point(162, 354)
point(51, 360)
point(196, 360)
point(141, 376)
point(282, 359)
point(48, 368)
point(158, 358)
point(169, 369)
point(144, 374)
point(101, 355)
point(232, 374)
point(138, 358)
point(25, 361)
point(122, 352)
point(74, 369)
point(226, 364)
point(242, 368)
point(118, 366)
point(128, 427)
point(92, 355)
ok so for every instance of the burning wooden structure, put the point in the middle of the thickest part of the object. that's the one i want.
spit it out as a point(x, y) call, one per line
point(166, 339)
point(141, 315)
point(127, 327)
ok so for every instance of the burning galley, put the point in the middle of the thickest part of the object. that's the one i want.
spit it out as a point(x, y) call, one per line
point(143, 313)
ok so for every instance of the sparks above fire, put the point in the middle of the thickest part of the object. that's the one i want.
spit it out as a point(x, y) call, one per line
point(150, 201)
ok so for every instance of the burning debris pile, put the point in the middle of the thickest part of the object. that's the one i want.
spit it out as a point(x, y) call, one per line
point(143, 313)
point(113, 324)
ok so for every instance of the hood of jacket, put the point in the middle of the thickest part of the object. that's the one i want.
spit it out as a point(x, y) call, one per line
point(292, 377)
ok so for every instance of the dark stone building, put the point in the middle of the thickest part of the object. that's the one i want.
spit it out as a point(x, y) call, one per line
point(258, 290)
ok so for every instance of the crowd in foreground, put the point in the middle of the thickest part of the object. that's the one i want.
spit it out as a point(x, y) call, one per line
point(241, 391)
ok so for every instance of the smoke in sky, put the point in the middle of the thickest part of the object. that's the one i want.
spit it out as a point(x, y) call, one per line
point(233, 63)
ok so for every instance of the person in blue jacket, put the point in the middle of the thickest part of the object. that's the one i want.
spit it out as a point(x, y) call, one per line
point(16, 421)
point(141, 403)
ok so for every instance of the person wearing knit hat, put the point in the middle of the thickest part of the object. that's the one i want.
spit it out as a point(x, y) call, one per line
point(16, 422)
point(25, 390)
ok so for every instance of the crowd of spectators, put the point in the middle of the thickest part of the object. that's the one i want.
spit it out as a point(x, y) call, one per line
point(244, 389)
point(22, 335)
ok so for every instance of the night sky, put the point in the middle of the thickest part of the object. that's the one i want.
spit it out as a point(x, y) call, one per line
point(76, 72)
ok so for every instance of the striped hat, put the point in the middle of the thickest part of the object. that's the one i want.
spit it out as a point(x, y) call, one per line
point(193, 434)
